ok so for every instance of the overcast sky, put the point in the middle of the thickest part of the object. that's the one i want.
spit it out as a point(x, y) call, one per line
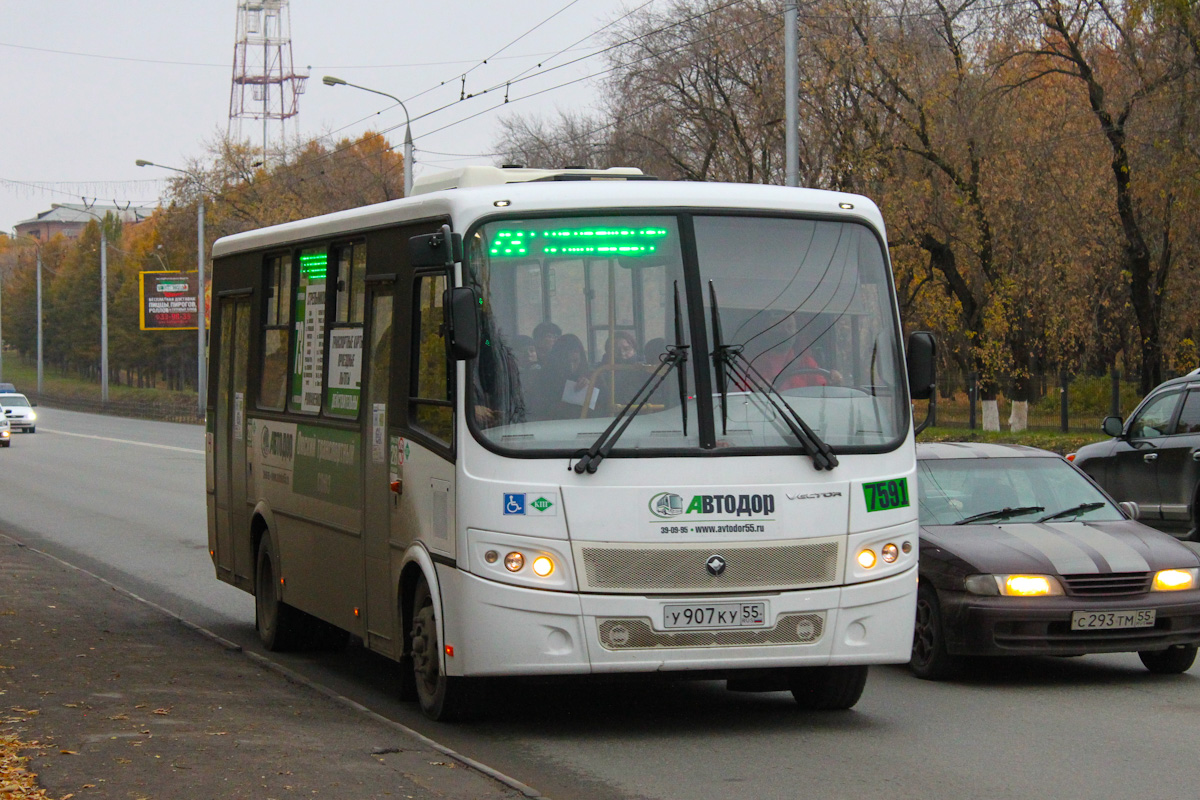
point(91, 87)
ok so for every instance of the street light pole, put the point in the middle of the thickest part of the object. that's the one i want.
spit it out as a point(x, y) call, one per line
point(201, 366)
point(329, 80)
point(791, 73)
point(103, 298)
point(38, 246)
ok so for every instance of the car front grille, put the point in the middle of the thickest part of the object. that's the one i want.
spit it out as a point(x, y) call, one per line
point(1110, 585)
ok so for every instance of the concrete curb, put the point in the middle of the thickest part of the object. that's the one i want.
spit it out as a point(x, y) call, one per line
point(296, 678)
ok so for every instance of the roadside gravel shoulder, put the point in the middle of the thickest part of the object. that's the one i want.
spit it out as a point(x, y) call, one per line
point(124, 702)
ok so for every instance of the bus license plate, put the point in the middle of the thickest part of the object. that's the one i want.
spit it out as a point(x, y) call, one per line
point(714, 615)
point(1104, 620)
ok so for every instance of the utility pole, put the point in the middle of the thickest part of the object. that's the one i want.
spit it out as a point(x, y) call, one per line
point(103, 298)
point(791, 88)
point(201, 366)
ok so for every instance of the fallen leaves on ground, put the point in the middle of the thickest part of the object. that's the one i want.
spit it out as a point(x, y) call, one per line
point(16, 780)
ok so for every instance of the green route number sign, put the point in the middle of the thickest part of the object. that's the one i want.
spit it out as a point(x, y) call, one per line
point(886, 495)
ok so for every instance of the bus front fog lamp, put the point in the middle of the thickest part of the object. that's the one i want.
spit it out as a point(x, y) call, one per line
point(866, 558)
point(514, 561)
point(890, 553)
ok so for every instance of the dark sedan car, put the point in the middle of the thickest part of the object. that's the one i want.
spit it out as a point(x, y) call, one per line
point(1021, 554)
point(1154, 458)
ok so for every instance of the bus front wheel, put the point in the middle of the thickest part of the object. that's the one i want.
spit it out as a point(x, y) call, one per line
point(278, 624)
point(443, 698)
point(827, 688)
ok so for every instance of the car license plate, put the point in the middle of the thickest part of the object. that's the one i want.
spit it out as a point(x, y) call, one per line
point(1104, 620)
point(714, 615)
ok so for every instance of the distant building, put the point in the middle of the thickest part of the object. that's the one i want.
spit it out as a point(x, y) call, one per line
point(70, 219)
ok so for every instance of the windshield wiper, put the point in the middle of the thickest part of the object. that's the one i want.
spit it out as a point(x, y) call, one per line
point(1001, 513)
point(728, 360)
point(675, 358)
point(1073, 511)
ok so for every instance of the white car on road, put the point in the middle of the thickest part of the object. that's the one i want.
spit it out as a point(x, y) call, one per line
point(18, 411)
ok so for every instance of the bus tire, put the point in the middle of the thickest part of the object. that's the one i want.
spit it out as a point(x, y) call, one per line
point(828, 688)
point(279, 625)
point(443, 698)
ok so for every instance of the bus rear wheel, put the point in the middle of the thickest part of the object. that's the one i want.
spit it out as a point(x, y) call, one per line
point(279, 625)
point(443, 698)
point(827, 688)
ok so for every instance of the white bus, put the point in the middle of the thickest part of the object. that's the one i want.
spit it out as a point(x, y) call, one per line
point(532, 423)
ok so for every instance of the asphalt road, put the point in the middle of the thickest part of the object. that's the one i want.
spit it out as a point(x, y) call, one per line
point(125, 499)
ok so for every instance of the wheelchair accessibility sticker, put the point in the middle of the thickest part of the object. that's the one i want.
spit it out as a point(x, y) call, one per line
point(514, 504)
point(537, 505)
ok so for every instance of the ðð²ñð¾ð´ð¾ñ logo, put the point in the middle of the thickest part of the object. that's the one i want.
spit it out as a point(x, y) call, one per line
point(666, 505)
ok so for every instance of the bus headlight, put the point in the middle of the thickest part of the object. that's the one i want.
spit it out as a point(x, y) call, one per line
point(532, 562)
point(866, 558)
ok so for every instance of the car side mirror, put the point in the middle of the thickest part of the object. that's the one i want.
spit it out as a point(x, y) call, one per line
point(1113, 426)
point(1131, 509)
point(462, 322)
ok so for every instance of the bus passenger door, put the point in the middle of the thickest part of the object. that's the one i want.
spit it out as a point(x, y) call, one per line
point(379, 496)
point(233, 565)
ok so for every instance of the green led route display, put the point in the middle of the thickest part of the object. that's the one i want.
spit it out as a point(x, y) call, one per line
point(604, 241)
point(314, 264)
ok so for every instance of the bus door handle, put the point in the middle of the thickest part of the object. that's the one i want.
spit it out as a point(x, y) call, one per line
point(1150, 458)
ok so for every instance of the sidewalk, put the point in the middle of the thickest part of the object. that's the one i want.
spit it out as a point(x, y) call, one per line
point(126, 702)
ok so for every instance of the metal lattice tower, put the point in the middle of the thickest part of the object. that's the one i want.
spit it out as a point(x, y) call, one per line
point(265, 85)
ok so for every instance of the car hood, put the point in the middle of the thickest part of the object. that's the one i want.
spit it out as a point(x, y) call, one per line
point(1060, 548)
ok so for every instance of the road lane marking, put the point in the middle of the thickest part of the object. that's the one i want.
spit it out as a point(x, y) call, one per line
point(123, 441)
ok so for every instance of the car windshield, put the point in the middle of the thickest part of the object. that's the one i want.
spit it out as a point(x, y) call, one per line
point(578, 312)
point(15, 401)
point(952, 490)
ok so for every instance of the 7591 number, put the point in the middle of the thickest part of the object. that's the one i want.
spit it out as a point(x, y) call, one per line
point(885, 495)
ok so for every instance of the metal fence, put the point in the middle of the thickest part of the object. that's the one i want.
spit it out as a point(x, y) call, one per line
point(183, 410)
point(1064, 402)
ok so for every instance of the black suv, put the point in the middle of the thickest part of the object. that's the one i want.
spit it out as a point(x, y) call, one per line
point(1154, 459)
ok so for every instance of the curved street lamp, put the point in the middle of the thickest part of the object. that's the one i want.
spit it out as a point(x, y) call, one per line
point(330, 80)
point(103, 296)
point(201, 371)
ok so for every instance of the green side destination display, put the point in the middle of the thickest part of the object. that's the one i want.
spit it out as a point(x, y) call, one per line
point(885, 495)
point(310, 332)
point(603, 241)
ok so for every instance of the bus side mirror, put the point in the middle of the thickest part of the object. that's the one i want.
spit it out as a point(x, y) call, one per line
point(922, 365)
point(1113, 426)
point(435, 249)
point(462, 322)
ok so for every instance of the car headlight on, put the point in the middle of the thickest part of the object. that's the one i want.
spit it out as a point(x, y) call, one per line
point(1013, 585)
point(33, 415)
point(1174, 580)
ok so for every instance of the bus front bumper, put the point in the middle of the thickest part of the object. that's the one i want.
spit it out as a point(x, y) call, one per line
point(510, 630)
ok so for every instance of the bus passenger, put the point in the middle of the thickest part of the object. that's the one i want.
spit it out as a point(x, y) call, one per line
point(563, 381)
point(544, 337)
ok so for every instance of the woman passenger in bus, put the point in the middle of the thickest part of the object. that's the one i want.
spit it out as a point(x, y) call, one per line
point(620, 369)
point(790, 363)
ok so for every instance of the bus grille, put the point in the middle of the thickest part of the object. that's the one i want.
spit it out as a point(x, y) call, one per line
point(683, 568)
point(637, 634)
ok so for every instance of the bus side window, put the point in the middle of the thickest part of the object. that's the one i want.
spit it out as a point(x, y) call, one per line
point(431, 407)
point(277, 320)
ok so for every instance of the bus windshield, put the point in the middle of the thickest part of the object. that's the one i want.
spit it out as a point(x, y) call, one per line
point(579, 311)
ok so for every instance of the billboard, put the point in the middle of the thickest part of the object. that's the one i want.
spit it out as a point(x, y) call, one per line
point(168, 301)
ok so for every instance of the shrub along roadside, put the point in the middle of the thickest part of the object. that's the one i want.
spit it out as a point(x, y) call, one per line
point(1055, 441)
